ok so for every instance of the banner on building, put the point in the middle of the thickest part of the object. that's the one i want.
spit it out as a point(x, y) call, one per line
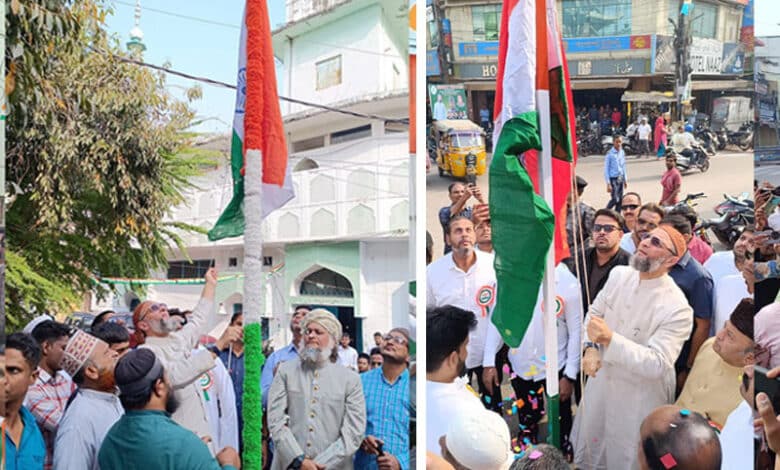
point(448, 102)
point(706, 56)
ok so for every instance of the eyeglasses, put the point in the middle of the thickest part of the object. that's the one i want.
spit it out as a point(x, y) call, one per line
point(396, 339)
point(631, 207)
point(153, 308)
point(376, 363)
point(607, 228)
point(656, 242)
point(641, 221)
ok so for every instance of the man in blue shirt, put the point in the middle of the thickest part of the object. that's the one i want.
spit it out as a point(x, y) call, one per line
point(696, 283)
point(24, 446)
point(285, 354)
point(615, 173)
point(233, 359)
point(386, 390)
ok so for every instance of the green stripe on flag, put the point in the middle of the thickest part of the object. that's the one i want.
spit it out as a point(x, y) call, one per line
point(523, 227)
point(231, 222)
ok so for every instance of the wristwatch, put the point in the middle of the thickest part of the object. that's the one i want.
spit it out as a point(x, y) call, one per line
point(589, 344)
point(297, 463)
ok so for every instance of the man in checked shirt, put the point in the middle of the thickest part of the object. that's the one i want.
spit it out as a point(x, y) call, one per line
point(47, 397)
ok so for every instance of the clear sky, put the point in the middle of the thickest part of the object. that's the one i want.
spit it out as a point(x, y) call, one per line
point(767, 17)
point(198, 37)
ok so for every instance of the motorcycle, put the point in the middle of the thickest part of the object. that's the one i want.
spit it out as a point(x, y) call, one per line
point(722, 139)
point(743, 138)
point(733, 215)
point(707, 137)
point(607, 142)
point(699, 160)
point(687, 205)
point(588, 143)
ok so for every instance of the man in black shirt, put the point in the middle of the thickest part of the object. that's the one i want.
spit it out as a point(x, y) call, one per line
point(593, 265)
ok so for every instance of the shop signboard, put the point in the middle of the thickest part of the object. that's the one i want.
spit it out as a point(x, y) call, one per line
point(609, 67)
point(432, 66)
point(706, 56)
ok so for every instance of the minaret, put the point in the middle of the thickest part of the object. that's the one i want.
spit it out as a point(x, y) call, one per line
point(135, 45)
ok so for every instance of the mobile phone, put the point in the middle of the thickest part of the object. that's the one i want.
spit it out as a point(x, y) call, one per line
point(769, 386)
point(379, 448)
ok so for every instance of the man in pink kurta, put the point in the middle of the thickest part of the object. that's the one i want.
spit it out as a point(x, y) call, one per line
point(670, 182)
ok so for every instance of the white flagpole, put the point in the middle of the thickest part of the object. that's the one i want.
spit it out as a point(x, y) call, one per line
point(253, 237)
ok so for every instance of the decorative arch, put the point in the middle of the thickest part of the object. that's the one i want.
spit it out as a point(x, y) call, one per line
point(361, 184)
point(399, 216)
point(323, 223)
point(361, 219)
point(325, 283)
point(322, 188)
point(289, 226)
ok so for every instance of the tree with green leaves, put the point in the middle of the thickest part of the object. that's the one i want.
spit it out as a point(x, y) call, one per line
point(96, 159)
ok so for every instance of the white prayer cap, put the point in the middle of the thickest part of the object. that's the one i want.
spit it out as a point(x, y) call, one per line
point(480, 440)
point(77, 352)
point(324, 318)
point(28, 328)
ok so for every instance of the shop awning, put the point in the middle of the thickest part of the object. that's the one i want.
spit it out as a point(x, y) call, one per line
point(723, 85)
point(647, 97)
point(599, 84)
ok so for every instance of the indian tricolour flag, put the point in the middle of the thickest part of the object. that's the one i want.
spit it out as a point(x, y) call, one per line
point(531, 65)
point(266, 134)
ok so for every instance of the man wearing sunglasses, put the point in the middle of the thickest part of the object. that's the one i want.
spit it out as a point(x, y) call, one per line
point(596, 262)
point(650, 216)
point(386, 390)
point(629, 208)
point(174, 348)
point(635, 328)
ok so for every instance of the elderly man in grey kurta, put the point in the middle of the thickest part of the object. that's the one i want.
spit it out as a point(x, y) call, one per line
point(316, 409)
point(636, 327)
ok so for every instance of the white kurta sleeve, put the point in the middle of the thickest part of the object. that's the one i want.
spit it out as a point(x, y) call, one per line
point(183, 372)
point(228, 419)
point(286, 447)
point(198, 323)
point(430, 298)
point(493, 343)
point(353, 428)
point(651, 361)
point(573, 315)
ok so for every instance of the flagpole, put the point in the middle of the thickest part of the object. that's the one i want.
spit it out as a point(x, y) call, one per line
point(548, 282)
point(253, 305)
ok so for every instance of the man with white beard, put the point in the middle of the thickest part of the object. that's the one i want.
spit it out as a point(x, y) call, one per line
point(636, 328)
point(316, 408)
point(158, 332)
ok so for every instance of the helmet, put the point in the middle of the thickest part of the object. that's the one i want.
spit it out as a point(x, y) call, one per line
point(688, 128)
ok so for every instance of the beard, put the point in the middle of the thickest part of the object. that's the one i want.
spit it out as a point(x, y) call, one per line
point(645, 265)
point(163, 326)
point(315, 357)
point(462, 370)
point(171, 403)
point(105, 380)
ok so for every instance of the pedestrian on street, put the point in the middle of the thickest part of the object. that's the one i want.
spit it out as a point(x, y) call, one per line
point(643, 132)
point(671, 181)
point(615, 173)
point(661, 134)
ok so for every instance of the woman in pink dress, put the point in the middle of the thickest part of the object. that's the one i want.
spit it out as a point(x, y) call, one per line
point(660, 134)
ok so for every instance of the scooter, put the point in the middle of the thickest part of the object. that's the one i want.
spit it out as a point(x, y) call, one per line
point(700, 159)
point(707, 137)
point(735, 213)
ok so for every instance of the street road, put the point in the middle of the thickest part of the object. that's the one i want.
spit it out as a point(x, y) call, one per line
point(730, 172)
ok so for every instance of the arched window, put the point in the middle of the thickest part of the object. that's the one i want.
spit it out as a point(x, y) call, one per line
point(325, 282)
point(306, 164)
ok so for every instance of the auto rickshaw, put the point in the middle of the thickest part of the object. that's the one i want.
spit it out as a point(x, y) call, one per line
point(460, 148)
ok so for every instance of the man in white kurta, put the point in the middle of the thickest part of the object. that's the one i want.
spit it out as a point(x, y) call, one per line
point(219, 399)
point(465, 278)
point(636, 328)
point(174, 349)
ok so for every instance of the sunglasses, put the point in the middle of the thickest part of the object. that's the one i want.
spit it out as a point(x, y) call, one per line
point(631, 207)
point(376, 363)
point(656, 242)
point(396, 339)
point(607, 228)
point(153, 308)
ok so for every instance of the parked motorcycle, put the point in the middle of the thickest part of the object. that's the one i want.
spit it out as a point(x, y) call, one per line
point(707, 137)
point(733, 215)
point(700, 159)
point(686, 206)
point(743, 138)
point(588, 143)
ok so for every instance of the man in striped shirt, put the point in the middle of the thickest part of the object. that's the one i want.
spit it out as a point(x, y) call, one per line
point(47, 397)
point(386, 389)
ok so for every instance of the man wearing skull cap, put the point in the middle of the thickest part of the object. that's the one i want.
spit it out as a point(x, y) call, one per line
point(94, 409)
point(316, 408)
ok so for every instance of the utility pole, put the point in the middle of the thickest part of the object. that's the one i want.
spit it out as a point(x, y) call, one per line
point(445, 43)
point(682, 46)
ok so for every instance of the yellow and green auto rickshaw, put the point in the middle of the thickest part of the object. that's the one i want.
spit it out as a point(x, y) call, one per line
point(460, 148)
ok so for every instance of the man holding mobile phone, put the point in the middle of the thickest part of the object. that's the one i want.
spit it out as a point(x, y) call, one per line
point(460, 194)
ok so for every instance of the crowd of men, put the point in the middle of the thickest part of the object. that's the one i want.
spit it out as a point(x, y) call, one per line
point(78, 400)
point(655, 332)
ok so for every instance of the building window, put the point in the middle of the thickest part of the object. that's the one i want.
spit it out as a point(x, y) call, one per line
point(309, 144)
point(325, 282)
point(350, 134)
point(232, 262)
point(268, 260)
point(238, 308)
point(704, 20)
point(186, 270)
point(485, 20)
point(329, 72)
point(584, 18)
